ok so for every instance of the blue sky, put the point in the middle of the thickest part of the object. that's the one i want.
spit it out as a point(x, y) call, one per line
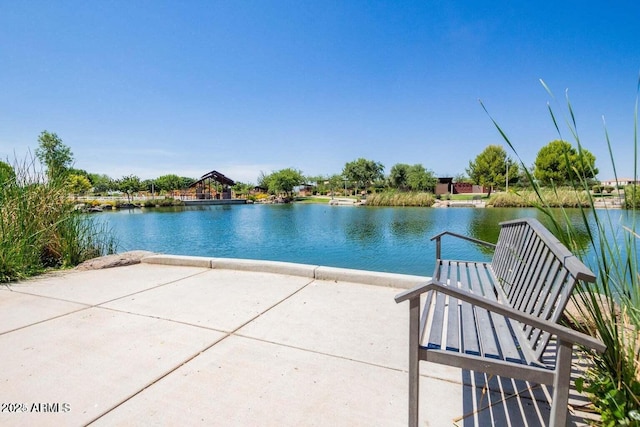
point(151, 87)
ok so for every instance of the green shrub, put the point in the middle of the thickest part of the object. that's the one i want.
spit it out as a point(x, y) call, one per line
point(40, 229)
point(632, 197)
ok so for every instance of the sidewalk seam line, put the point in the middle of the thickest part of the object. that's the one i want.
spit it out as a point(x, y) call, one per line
point(227, 335)
point(88, 306)
point(322, 353)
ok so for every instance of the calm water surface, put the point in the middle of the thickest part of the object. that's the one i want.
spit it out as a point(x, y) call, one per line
point(381, 239)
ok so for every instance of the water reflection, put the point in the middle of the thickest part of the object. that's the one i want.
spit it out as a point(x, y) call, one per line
point(366, 227)
point(485, 226)
point(410, 223)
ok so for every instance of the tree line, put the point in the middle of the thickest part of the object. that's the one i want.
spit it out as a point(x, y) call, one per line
point(558, 163)
point(57, 158)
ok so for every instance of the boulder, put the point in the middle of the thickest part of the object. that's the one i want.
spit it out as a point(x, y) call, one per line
point(115, 260)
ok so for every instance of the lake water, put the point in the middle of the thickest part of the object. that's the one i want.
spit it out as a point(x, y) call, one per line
point(380, 239)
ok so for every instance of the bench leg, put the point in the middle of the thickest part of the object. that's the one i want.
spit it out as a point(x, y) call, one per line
point(414, 362)
point(561, 384)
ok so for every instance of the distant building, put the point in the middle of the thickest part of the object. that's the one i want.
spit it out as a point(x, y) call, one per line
point(213, 185)
point(258, 190)
point(444, 186)
point(621, 182)
point(447, 186)
point(304, 190)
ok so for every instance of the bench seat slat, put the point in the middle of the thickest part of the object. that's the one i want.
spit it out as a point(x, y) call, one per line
point(500, 341)
point(470, 341)
point(505, 331)
point(437, 322)
point(428, 308)
point(484, 325)
point(453, 313)
point(453, 325)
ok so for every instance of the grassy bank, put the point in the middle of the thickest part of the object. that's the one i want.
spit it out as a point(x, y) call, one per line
point(39, 228)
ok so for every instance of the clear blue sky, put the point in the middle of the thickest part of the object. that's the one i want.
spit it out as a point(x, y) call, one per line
point(185, 87)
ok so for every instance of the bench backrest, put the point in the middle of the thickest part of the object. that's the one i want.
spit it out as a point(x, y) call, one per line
point(536, 273)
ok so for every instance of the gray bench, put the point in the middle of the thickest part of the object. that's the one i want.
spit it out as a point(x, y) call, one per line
point(498, 317)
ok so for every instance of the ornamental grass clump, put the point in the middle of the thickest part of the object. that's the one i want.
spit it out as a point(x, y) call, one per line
point(40, 228)
point(562, 197)
point(398, 198)
point(610, 308)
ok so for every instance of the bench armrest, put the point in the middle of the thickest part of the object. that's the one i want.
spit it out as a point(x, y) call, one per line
point(439, 237)
point(563, 333)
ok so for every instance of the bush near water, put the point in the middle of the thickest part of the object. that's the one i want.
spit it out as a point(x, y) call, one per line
point(40, 228)
point(396, 198)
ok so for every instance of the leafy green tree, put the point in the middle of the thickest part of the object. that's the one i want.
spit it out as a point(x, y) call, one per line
point(54, 154)
point(490, 168)
point(7, 173)
point(320, 182)
point(524, 177)
point(81, 172)
point(130, 184)
point(186, 182)
point(78, 184)
point(284, 180)
point(149, 185)
point(398, 176)
point(421, 179)
point(334, 182)
point(102, 183)
point(560, 163)
point(363, 172)
point(263, 180)
point(168, 183)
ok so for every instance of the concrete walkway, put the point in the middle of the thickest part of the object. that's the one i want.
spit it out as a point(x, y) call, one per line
point(186, 341)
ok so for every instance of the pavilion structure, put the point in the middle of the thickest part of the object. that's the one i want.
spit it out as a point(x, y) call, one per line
point(213, 185)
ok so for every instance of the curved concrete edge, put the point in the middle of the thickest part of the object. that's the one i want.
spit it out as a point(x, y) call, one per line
point(178, 260)
point(393, 280)
point(279, 267)
point(377, 278)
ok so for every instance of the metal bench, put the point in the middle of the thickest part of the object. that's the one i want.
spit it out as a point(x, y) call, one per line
point(498, 317)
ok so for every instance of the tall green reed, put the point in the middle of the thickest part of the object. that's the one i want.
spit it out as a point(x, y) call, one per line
point(610, 308)
point(39, 227)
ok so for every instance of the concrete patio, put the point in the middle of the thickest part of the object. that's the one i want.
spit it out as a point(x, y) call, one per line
point(185, 340)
